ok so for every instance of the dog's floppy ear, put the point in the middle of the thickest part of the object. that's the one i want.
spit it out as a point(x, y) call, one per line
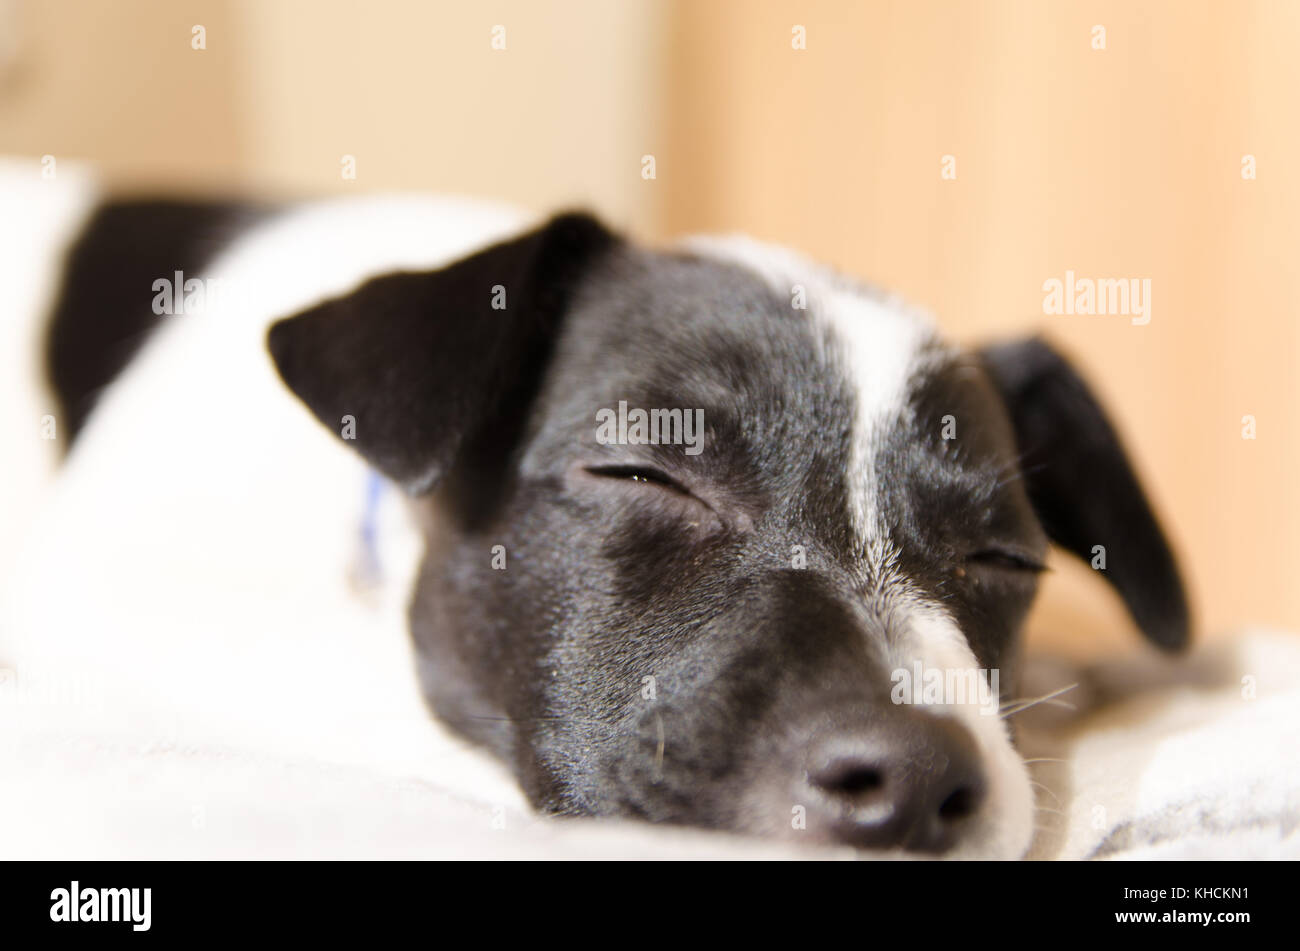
point(425, 362)
point(1082, 486)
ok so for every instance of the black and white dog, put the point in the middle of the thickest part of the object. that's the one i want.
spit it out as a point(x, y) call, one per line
point(689, 516)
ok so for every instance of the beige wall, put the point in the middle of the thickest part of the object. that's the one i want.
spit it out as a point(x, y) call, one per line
point(285, 88)
point(118, 83)
point(417, 93)
point(1117, 163)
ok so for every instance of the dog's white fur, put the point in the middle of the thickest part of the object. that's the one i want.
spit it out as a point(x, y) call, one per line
point(194, 553)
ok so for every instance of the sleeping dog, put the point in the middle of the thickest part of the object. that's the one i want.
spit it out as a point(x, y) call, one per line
point(693, 519)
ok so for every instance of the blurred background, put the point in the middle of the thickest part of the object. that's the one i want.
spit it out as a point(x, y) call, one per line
point(959, 153)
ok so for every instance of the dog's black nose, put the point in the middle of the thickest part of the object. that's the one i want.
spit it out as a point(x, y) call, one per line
point(914, 782)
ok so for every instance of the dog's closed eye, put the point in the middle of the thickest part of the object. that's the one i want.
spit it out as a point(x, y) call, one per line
point(647, 476)
point(1005, 559)
point(639, 474)
point(655, 482)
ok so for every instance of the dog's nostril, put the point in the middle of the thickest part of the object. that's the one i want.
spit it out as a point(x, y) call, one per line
point(850, 780)
point(860, 780)
point(960, 804)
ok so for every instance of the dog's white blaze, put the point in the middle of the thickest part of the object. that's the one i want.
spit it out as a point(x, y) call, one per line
point(1007, 823)
point(876, 342)
point(881, 347)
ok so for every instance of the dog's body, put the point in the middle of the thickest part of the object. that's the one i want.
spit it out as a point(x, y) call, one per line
point(708, 639)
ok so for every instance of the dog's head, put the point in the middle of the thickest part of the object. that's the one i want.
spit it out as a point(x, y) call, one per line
point(793, 611)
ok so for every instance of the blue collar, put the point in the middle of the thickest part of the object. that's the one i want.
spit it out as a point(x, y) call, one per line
point(371, 568)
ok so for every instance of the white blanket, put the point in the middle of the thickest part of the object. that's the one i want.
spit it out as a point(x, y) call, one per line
point(1189, 758)
point(1171, 761)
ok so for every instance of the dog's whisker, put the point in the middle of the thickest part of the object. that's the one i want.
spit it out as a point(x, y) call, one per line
point(1046, 696)
point(1055, 797)
point(1063, 704)
point(1024, 704)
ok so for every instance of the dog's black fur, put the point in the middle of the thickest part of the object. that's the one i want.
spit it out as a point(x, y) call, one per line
point(684, 575)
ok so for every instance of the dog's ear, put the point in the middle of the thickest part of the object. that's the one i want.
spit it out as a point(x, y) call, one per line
point(426, 363)
point(1083, 488)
